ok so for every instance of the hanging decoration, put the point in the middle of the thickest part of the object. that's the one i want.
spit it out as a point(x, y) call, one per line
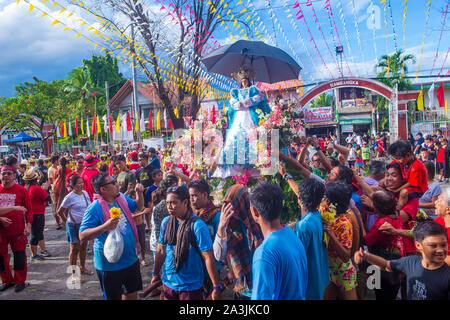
point(423, 37)
point(440, 38)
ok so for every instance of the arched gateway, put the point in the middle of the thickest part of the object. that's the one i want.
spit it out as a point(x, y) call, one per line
point(398, 122)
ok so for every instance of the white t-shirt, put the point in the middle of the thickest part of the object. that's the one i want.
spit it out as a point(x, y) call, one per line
point(77, 205)
point(352, 154)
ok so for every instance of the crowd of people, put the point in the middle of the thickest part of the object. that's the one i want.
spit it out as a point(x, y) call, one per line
point(387, 210)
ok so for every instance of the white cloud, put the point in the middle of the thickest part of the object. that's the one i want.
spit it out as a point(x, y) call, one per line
point(31, 47)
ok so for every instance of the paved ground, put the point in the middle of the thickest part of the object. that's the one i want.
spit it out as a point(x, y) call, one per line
point(47, 278)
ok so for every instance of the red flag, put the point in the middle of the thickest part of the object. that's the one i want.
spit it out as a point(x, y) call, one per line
point(93, 94)
point(129, 126)
point(110, 124)
point(170, 123)
point(150, 125)
point(440, 95)
point(94, 127)
point(213, 117)
point(76, 125)
point(62, 127)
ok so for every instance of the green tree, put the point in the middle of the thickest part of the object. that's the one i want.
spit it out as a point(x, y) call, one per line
point(177, 48)
point(100, 69)
point(79, 88)
point(393, 68)
point(323, 100)
point(43, 101)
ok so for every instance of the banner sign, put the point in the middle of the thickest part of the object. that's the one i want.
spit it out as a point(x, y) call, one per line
point(318, 114)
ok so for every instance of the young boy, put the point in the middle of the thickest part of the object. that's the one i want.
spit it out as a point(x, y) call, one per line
point(440, 161)
point(310, 232)
point(428, 277)
point(413, 171)
point(280, 270)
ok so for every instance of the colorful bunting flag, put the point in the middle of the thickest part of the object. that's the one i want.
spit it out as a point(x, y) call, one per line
point(440, 95)
point(420, 100)
point(150, 124)
point(158, 120)
point(129, 126)
point(118, 124)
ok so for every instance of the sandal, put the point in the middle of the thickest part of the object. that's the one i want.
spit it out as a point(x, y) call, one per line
point(87, 272)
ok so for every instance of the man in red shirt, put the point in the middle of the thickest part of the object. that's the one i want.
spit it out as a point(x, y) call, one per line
point(14, 233)
point(89, 172)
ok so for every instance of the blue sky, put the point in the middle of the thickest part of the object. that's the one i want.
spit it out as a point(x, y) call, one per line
point(31, 47)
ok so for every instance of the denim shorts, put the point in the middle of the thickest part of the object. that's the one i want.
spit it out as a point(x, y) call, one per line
point(72, 231)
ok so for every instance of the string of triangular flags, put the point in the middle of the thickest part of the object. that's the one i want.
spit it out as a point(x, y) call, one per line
point(64, 127)
point(176, 76)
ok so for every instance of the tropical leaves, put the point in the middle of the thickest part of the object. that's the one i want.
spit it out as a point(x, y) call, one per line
point(393, 68)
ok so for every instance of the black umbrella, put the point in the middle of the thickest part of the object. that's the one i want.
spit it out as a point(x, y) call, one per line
point(270, 64)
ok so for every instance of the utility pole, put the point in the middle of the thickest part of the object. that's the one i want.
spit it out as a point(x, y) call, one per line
point(108, 115)
point(135, 96)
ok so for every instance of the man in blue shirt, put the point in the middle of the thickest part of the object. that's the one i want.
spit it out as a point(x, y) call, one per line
point(280, 271)
point(122, 279)
point(154, 159)
point(310, 232)
point(184, 247)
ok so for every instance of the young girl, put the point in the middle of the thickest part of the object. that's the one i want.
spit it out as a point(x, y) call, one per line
point(340, 235)
point(359, 159)
point(351, 155)
point(440, 161)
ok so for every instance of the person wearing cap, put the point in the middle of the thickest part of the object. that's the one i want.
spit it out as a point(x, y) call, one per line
point(154, 159)
point(89, 172)
point(14, 231)
point(134, 165)
point(38, 198)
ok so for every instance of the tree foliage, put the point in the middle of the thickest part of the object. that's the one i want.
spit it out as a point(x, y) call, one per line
point(321, 101)
point(393, 68)
point(175, 47)
point(44, 101)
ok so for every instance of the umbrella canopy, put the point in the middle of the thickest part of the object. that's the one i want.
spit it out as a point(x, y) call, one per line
point(270, 64)
point(21, 137)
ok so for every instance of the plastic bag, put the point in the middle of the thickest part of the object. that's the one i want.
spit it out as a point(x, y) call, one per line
point(113, 248)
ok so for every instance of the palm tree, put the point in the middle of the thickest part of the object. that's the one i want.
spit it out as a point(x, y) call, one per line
point(79, 87)
point(323, 100)
point(393, 69)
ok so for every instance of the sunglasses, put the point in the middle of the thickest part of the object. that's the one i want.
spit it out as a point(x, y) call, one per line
point(7, 173)
point(113, 182)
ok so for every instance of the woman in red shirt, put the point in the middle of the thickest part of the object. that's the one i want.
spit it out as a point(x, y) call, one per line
point(37, 197)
